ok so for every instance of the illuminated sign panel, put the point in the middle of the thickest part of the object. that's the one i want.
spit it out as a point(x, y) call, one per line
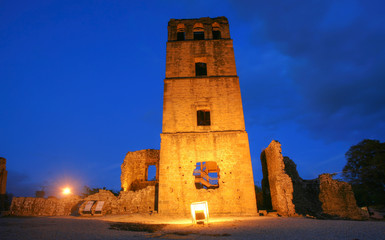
point(200, 212)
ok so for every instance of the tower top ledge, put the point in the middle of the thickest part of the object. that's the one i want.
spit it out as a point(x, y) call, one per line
point(203, 20)
point(204, 24)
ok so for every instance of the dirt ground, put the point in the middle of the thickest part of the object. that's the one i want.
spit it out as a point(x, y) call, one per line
point(137, 227)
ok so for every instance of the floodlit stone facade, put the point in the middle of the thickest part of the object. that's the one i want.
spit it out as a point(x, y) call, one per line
point(203, 121)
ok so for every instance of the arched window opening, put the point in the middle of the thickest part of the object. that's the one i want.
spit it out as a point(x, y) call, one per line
point(216, 31)
point(180, 35)
point(200, 69)
point(199, 33)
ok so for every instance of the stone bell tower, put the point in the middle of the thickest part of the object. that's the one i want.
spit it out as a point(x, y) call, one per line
point(204, 153)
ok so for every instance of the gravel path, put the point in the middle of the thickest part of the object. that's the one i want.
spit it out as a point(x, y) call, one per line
point(48, 228)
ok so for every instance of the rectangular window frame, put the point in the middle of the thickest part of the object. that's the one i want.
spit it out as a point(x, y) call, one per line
point(203, 118)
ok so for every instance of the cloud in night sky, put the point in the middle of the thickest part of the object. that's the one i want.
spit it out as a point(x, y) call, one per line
point(328, 58)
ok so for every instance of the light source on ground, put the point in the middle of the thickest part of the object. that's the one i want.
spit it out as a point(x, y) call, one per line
point(200, 212)
point(66, 191)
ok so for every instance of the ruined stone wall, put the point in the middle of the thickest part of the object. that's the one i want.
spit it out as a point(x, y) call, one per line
point(291, 195)
point(337, 198)
point(305, 192)
point(281, 185)
point(4, 205)
point(179, 155)
point(3, 175)
point(134, 169)
point(142, 201)
point(29, 206)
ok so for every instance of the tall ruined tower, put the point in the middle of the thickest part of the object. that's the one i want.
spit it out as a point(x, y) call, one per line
point(204, 152)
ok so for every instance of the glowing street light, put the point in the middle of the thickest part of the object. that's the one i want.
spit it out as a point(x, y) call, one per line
point(200, 212)
point(66, 191)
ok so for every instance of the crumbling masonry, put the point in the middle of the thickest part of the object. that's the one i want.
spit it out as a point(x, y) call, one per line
point(3, 184)
point(290, 195)
point(135, 169)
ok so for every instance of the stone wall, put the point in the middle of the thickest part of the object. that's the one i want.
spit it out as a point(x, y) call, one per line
point(134, 169)
point(219, 95)
point(337, 198)
point(179, 156)
point(29, 206)
point(142, 201)
point(281, 185)
point(291, 195)
point(3, 175)
point(217, 53)
point(207, 27)
point(3, 185)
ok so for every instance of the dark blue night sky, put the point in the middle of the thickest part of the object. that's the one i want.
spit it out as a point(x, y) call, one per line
point(81, 82)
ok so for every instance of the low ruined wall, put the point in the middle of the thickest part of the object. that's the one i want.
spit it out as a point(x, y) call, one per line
point(142, 201)
point(337, 198)
point(291, 195)
point(29, 206)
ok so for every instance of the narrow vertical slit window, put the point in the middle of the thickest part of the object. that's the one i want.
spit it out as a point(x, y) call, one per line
point(200, 69)
point(203, 118)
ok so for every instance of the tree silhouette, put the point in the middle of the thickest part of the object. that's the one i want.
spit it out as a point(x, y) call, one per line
point(365, 170)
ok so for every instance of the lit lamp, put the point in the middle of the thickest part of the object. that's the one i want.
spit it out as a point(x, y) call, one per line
point(200, 212)
point(66, 191)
